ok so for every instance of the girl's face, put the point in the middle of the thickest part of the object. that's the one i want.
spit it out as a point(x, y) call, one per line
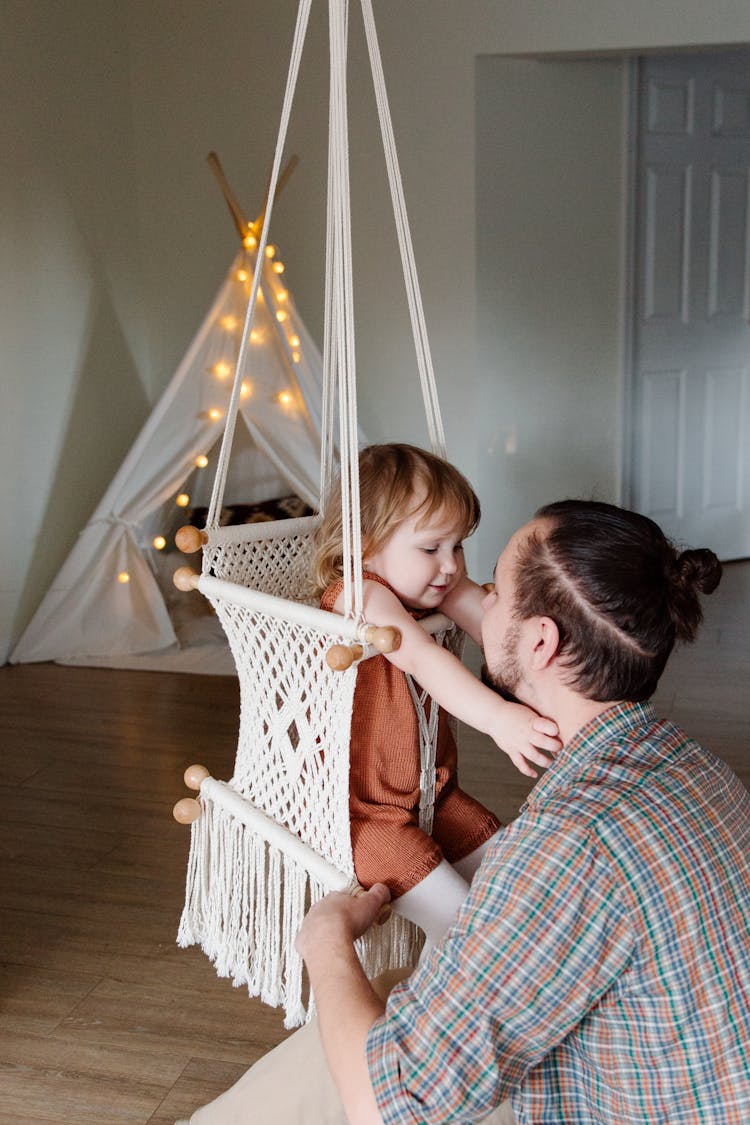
point(422, 564)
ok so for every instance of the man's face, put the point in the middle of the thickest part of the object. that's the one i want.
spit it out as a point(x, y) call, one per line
point(500, 631)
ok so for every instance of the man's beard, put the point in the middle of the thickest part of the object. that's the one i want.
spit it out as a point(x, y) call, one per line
point(506, 676)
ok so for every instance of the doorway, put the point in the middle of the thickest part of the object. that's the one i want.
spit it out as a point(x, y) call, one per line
point(690, 409)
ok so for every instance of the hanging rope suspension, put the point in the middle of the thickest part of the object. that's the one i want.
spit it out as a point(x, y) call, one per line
point(413, 294)
point(276, 837)
point(222, 467)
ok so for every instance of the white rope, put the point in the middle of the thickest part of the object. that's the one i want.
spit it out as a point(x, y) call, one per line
point(222, 467)
point(428, 737)
point(329, 385)
point(411, 281)
point(342, 311)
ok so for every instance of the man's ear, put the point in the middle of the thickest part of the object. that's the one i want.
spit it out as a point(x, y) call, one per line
point(545, 643)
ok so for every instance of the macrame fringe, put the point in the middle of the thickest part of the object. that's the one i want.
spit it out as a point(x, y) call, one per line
point(244, 904)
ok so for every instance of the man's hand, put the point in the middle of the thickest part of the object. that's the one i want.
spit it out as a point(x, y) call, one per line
point(341, 917)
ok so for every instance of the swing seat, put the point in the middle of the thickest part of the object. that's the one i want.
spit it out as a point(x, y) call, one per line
point(275, 838)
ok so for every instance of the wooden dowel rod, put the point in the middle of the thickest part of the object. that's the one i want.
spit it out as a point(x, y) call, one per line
point(275, 834)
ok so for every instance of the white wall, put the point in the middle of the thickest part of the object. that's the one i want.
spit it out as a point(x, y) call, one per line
point(113, 236)
point(70, 331)
point(550, 254)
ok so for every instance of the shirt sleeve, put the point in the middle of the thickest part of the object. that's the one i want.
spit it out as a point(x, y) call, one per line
point(542, 936)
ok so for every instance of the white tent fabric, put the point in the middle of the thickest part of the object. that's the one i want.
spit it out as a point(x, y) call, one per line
point(90, 616)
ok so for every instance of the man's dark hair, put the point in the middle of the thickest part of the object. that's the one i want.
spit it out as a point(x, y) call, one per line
point(618, 591)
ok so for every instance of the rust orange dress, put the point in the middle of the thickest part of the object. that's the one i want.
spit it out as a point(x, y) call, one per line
point(387, 843)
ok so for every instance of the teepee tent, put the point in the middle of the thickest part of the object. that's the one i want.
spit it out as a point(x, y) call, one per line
point(108, 604)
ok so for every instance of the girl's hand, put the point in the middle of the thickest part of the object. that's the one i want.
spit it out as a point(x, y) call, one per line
point(526, 737)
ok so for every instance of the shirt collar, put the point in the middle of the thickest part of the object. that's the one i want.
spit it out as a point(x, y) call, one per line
point(587, 744)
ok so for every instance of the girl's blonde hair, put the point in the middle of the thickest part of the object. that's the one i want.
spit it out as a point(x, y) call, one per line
point(390, 477)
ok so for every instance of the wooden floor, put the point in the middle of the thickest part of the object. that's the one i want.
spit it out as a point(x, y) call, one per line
point(102, 1018)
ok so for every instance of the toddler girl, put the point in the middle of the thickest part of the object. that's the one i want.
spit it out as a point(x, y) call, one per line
point(416, 510)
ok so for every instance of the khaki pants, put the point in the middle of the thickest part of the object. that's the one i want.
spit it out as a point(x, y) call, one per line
point(291, 1085)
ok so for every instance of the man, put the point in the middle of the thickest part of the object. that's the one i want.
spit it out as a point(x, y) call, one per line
point(599, 970)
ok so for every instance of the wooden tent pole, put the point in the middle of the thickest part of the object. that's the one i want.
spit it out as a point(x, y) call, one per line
point(240, 220)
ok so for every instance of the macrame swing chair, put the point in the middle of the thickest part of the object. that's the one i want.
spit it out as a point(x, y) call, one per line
point(276, 838)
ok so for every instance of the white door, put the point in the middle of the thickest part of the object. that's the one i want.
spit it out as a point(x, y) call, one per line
point(691, 384)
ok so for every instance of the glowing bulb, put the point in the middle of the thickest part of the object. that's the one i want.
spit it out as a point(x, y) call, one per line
point(221, 369)
point(296, 357)
point(278, 267)
point(228, 323)
point(201, 461)
point(249, 241)
point(281, 315)
point(159, 542)
point(285, 398)
point(242, 275)
point(255, 336)
point(270, 251)
point(294, 341)
point(214, 414)
point(282, 295)
point(123, 577)
point(246, 390)
point(182, 500)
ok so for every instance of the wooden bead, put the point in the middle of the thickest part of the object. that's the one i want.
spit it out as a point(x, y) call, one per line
point(189, 539)
point(185, 578)
point(187, 810)
point(383, 637)
point(194, 775)
point(341, 657)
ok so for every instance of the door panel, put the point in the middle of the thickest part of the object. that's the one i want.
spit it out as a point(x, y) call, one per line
point(691, 422)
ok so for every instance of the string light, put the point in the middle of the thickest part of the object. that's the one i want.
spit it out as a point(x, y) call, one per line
point(256, 336)
point(214, 414)
point(270, 251)
point(182, 500)
point(221, 369)
point(281, 315)
point(228, 323)
point(246, 390)
point(201, 461)
point(282, 295)
point(278, 267)
point(159, 542)
point(123, 577)
point(296, 357)
point(242, 275)
point(285, 398)
point(249, 241)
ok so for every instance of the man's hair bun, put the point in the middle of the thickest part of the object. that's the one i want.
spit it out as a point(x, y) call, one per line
point(699, 567)
point(693, 572)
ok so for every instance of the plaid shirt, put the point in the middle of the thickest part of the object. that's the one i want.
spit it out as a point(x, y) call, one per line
point(600, 968)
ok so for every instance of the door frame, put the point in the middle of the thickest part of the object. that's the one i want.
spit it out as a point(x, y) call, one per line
point(630, 187)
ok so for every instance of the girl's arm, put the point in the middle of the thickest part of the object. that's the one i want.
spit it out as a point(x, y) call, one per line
point(520, 732)
point(464, 606)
